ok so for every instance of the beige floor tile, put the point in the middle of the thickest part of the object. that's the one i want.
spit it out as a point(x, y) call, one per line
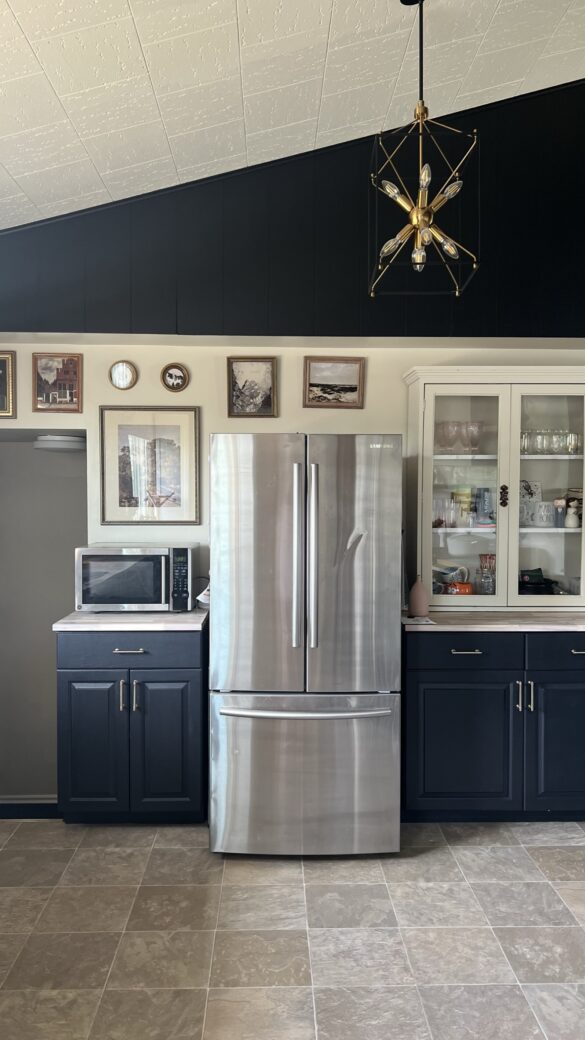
point(20, 908)
point(479, 834)
point(106, 867)
point(88, 909)
point(549, 833)
point(573, 894)
point(349, 906)
point(454, 956)
point(489, 1012)
point(558, 863)
point(358, 957)
point(7, 828)
point(142, 1014)
point(262, 906)
point(338, 871)
point(164, 908)
point(185, 836)
point(45, 1015)
point(444, 903)
point(559, 1009)
point(183, 867)
point(522, 903)
point(262, 870)
point(47, 834)
point(263, 958)
point(66, 961)
point(162, 960)
point(370, 1014)
point(275, 1013)
point(421, 834)
point(118, 836)
point(10, 947)
point(497, 864)
point(545, 954)
point(420, 863)
point(39, 867)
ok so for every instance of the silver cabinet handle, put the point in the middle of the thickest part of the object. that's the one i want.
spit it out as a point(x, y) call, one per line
point(117, 650)
point(531, 703)
point(296, 556)
point(578, 653)
point(121, 689)
point(468, 653)
point(314, 558)
point(520, 686)
point(303, 716)
point(135, 685)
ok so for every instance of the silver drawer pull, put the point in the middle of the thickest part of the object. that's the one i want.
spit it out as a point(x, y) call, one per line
point(118, 651)
point(578, 652)
point(304, 716)
point(467, 653)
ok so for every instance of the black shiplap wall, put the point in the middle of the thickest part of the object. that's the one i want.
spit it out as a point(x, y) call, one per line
point(281, 249)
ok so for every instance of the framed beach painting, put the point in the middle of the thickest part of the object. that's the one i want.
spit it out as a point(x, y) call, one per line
point(251, 387)
point(149, 461)
point(334, 382)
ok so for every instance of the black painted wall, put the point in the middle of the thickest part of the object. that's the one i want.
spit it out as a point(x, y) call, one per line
point(281, 249)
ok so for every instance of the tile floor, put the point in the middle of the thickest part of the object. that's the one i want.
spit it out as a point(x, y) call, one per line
point(472, 932)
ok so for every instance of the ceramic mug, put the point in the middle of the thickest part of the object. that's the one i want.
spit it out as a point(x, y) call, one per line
point(544, 514)
point(460, 588)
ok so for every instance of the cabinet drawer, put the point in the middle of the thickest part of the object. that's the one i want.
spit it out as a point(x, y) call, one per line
point(551, 651)
point(464, 650)
point(129, 650)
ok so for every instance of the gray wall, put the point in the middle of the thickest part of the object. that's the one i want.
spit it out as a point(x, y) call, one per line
point(43, 516)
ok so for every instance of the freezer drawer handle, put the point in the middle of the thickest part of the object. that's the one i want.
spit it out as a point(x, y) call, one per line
point(296, 556)
point(467, 653)
point(578, 652)
point(118, 651)
point(314, 558)
point(304, 716)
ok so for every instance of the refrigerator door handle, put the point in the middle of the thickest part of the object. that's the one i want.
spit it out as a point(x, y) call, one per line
point(313, 611)
point(303, 716)
point(296, 556)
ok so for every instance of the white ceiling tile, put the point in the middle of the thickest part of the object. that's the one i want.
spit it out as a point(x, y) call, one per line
point(355, 106)
point(280, 62)
point(17, 210)
point(161, 19)
point(41, 148)
point(213, 103)
point(262, 20)
point(129, 147)
point(272, 108)
point(189, 61)
point(570, 32)
point(447, 20)
point(16, 55)
point(8, 186)
point(443, 64)
point(211, 169)
point(80, 202)
point(440, 100)
point(26, 103)
point(370, 61)
point(61, 182)
point(488, 96)
point(112, 106)
point(504, 66)
point(284, 140)
point(347, 133)
point(214, 142)
point(137, 180)
point(551, 69)
point(520, 22)
point(87, 58)
point(42, 18)
point(355, 20)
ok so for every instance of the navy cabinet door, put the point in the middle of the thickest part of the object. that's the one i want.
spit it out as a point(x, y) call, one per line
point(463, 741)
point(168, 741)
point(93, 762)
point(555, 741)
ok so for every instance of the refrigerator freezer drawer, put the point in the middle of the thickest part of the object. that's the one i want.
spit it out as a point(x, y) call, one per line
point(305, 774)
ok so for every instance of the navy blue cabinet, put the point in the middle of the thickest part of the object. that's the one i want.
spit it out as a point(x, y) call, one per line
point(555, 741)
point(132, 741)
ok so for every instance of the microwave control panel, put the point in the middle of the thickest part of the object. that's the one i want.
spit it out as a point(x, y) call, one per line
point(180, 577)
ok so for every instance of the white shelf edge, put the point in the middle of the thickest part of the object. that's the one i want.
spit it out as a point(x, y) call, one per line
point(550, 458)
point(489, 529)
point(469, 457)
point(549, 530)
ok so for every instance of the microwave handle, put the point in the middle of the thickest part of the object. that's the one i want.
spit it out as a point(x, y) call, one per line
point(166, 592)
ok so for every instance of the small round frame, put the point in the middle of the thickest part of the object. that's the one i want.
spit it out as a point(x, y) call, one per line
point(123, 375)
point(175, 377)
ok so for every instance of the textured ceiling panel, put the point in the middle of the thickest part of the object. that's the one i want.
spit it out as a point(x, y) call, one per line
point(106, 99)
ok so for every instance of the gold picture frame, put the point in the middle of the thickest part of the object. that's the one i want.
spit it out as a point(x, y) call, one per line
point(334, 382)
point(8, 384)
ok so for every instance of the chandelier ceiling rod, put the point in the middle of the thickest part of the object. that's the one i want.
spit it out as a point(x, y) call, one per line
point(420, 50)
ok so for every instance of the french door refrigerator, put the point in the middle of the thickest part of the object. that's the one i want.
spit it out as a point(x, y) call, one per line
point(306, 591)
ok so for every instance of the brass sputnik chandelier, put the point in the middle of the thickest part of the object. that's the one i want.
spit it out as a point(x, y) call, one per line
point(420, 256)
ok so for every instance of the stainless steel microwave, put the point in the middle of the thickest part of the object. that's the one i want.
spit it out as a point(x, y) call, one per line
point(137, 577)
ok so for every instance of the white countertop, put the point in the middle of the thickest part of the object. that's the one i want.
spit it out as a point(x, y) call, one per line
point(190, 621)
point(500, 621)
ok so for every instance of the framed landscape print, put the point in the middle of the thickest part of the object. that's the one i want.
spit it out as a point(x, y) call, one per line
point(7, 384)
point(149, 461)
point(57, 382)
point(251, 386)
point(334, 382)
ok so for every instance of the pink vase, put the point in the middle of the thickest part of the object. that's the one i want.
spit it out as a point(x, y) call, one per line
point(418, 600)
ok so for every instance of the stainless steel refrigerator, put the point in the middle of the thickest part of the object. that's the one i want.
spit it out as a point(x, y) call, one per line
point(305, 579)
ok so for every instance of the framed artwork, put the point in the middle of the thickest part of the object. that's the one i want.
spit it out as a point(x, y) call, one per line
point(149, 461)
point(334, 382)
point(57, 382)
point(123, 375)
point(175, 377)
point(251, 387)
point(8, 384)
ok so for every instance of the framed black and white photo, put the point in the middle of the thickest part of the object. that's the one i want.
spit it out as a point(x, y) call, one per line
point(57, 382)
point(7, 384)
point(334, 382)
point(149, 461)
point(251, 386)
point(174, 377)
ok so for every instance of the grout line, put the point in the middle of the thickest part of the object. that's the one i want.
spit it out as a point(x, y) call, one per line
point(408, 960)
point(309, 948)
point(212, 953)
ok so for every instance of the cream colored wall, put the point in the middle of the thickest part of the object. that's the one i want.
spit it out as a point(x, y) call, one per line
point(385, 397)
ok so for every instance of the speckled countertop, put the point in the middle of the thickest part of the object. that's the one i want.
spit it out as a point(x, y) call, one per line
point(500, 621)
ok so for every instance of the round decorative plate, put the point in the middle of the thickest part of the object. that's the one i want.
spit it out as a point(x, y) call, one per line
point(175, 377)
point(123, 375)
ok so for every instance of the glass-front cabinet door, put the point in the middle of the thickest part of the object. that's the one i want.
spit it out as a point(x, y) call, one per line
point(546, 499)
point(465, 495)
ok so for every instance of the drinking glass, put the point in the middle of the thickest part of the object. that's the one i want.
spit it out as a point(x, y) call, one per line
point(451, 431)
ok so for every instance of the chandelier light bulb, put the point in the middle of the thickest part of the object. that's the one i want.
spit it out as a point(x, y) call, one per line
point(453, 189)
point(450, 249)
point(425, 177)
point(391, 189)
point(389, 247)
point(426, 236)
point(419, 257)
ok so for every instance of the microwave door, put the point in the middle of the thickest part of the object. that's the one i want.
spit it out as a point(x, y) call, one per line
point(111, 581)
